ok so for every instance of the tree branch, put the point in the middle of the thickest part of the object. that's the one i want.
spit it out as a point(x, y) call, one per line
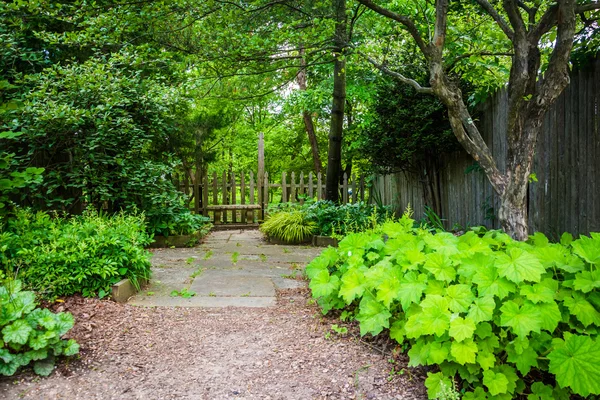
point(497, 17)
point(403, 19)
point(394, 74)
point(515, 17)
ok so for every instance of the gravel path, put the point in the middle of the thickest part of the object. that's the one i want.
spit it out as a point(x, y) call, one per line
point(281, 352)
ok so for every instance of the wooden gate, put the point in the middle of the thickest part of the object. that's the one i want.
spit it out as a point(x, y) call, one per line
point(242, 200)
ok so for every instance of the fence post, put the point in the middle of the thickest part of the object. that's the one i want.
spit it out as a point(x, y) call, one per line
point(233, 197)
point(242, 197)
point(250, 214)
point(205, 194)
point(224, 196)
point(319, 186)
point(301, 193)
point(310, 185)
point(362, 187)
point(284, 197)
point(293, 188)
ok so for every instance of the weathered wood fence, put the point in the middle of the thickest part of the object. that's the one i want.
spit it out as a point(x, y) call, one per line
point(566, 195)
point(230, 188)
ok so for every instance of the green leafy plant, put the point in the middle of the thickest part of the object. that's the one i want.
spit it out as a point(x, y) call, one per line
point(505, 318)
point(234, 257)
point(185, 293)
point(30, 334)
point(289, 226)
point(85, 254)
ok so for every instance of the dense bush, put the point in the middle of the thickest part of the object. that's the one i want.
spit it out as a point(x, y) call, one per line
point(84, 254)
point(330, 218)
point(335, 219)
point(505, 317)
point(289, 226)
point(176, 221)
point(30, 334)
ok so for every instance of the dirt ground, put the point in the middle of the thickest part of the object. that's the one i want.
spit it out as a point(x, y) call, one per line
point(280, 352)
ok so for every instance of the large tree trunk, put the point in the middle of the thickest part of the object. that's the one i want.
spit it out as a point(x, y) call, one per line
point(530, 95)
point(307, 118)
point(334, 155)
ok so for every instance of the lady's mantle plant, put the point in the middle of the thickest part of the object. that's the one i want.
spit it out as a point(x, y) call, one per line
point(30, 334)
point(505, 317)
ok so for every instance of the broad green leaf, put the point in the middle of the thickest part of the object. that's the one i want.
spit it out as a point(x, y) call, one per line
point(64, 322)
point(470, 265)
point(490, 284)
point(587, 281)
point(588, 248)
point(353, 285)
point(582, 309)
point(461, 329)
point(549, 315)
point(522, 319)
point(435, 317)
point(524, 360)
point(315, 266)
point(497, 383)
point(411, 289)
point(464, 352)
point(438, 352)
point(323, 284)
point(539, 391)
point(71, 348)
point(44, 367)
point(17, 332)
point(538, 292)
point(486, 360)
point(460, 297)
point(482, 309)
point(437, 383)
point(517, 265)
point(575, 362)
point(440, 266)
point(373, 316)
point(388, 291)
point(397, 331)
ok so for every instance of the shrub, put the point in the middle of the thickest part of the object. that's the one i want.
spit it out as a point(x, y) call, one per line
point(289, 226)
point(336, 219)
point(84, 254)
point(30, 334)
point(508, 318)
point(177, 221)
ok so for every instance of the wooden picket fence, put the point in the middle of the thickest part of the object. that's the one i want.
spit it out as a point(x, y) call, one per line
point(229, 190)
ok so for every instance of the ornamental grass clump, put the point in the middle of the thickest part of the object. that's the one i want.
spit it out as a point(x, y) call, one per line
point(289, 226)
point(502, 317)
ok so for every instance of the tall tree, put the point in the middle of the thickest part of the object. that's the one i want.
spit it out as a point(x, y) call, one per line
point(334, 154)
point(524, 24)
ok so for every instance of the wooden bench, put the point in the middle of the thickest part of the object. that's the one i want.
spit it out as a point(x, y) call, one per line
point(249, 208)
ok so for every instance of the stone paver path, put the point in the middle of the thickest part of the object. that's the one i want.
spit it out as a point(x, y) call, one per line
point(230, 268)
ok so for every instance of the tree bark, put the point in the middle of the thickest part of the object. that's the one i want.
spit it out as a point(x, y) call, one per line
point(307, 117)
point(334, 154)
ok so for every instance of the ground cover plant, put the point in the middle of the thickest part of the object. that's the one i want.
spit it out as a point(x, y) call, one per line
point(85, 254)
point(504, 317)
point(291, 226)
point(30, 334)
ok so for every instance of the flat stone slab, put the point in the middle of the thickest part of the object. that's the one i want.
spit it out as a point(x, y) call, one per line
point(233, 285)
point(201, 301)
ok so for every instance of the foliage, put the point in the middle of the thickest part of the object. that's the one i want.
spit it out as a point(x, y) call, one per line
point(405, 129)
point(30, 334)
point(506, 317)
point(342, 219)
point(176, 221)
point(289, 226)
point(85, 254)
